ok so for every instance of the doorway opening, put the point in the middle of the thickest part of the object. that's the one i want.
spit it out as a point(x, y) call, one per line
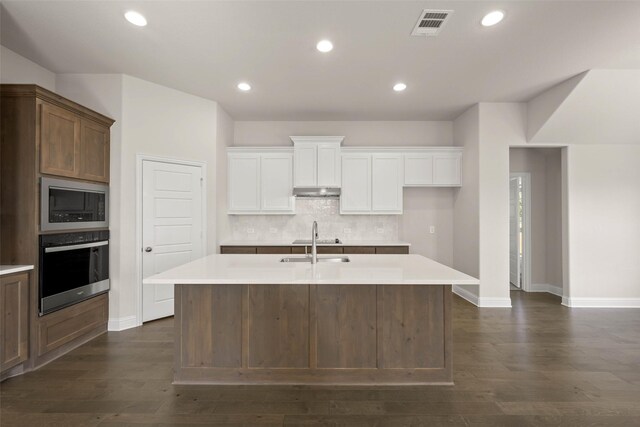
point(536, 209)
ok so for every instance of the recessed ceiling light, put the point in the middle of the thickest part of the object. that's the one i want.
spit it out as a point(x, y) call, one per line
point(492, 18)
point(399, 87)
point(244, 86)
point(136, 18)
point(324, 46)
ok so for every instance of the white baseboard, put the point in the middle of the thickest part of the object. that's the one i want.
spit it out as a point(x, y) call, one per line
point(601, 302)
point(546, 287)
point(494, 302)
point(122, 323)
point(465, 294)
point(481, 301)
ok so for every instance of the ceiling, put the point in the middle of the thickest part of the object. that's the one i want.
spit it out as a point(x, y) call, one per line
point(205, 48)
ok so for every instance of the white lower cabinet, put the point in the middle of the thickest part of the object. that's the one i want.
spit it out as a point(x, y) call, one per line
point(260, 182)
point(371, 184)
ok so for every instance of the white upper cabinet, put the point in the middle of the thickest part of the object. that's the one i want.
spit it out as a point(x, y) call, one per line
point(317, 161)
point(433, 167)
point(371, 183)
point(276, 171)
point(447, 169)
point(355, 195)
point(386, 183)
point(244, 182)
point(260, 181)
point(306, 165)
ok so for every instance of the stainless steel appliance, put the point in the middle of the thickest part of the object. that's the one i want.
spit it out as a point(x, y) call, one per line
point(73, 267)
point(73, 205)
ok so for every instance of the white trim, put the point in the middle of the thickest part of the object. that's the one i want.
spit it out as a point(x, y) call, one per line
point(601, 302)
point(526, 221)
point(122, 323)
point(260, 150)
point(494, 302)
point(546, 287)
point(465, 294)
point(140, 158)
point(316, 139)
point(401, 149)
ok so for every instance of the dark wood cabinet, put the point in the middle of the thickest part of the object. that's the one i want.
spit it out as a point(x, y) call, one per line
point(298, 250)
point(94, 152)
point(59, 141)
point(71, 146)
point(14, 320)
point(46, 134)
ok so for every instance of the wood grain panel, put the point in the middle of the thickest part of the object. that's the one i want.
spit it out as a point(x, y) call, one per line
point(212, 325)
point(63, 326)
point(346, 326)
point(392, 250)
point(413, 327)
point(238, 250)
point(14, 320)
point(359, 250)
point(278, 326)
point(274, 249)
point(94, 151)
point(60, 142)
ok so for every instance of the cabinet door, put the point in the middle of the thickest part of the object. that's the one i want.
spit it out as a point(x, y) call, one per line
point(306, 163)
point(276, 171)
point(329, 165)
point(386, 184)
point(244, 183)
point(59, 142)
point(94, 151)
point(418, 169)
point(14, 320)
point(447, 169)
point(356, 184)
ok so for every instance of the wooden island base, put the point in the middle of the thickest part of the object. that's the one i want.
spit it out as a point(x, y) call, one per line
point(313, 334)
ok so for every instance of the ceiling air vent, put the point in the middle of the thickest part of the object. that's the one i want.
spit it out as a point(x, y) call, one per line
point(431, 22)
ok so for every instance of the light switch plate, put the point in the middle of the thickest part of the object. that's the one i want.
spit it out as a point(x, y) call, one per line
point(432, 229)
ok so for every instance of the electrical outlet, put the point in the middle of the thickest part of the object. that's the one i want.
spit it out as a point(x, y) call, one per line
point(250, 230)
point(432, 229)
point(379, 230)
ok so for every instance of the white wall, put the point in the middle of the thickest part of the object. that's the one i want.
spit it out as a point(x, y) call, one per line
point(356, 133)
point(18, 69)
point(224, 139)
point(103, 93)
point(422, 206)
point(604, 225)
point(466, 207)
point(152, 120)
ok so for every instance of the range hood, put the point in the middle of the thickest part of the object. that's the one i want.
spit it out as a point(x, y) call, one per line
point(316, 191)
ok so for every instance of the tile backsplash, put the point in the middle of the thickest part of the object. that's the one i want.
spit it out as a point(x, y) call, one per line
point(330, 224)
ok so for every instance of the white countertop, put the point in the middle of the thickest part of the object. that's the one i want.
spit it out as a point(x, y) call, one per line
point(10, 269)
point(267, 269)
point(290, 243)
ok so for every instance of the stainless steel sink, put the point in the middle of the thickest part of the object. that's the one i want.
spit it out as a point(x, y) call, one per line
point(320, 259)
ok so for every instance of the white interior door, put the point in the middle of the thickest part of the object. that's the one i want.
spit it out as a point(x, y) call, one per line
point(514, 233)
point(172, 228)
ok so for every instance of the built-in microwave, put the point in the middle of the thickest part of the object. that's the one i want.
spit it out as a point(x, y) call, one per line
point(72, 205)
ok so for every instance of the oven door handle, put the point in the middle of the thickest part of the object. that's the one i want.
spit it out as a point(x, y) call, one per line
point(73, 247)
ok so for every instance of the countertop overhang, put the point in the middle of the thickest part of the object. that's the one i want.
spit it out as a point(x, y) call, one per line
point(290, 243)
point(10, 269)
point(267, 269)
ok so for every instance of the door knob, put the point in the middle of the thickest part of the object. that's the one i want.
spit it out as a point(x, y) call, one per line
point(148, 249)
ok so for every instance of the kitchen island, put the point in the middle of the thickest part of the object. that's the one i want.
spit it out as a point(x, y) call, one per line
point(377, 319)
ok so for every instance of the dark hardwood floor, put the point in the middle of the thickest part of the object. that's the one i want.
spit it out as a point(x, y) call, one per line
point(538, 363)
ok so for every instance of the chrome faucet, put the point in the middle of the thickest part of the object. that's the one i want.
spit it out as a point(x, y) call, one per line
point(314, 238)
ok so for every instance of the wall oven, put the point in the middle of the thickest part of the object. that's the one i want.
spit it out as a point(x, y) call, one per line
point(73, 205)
point(73, 267)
